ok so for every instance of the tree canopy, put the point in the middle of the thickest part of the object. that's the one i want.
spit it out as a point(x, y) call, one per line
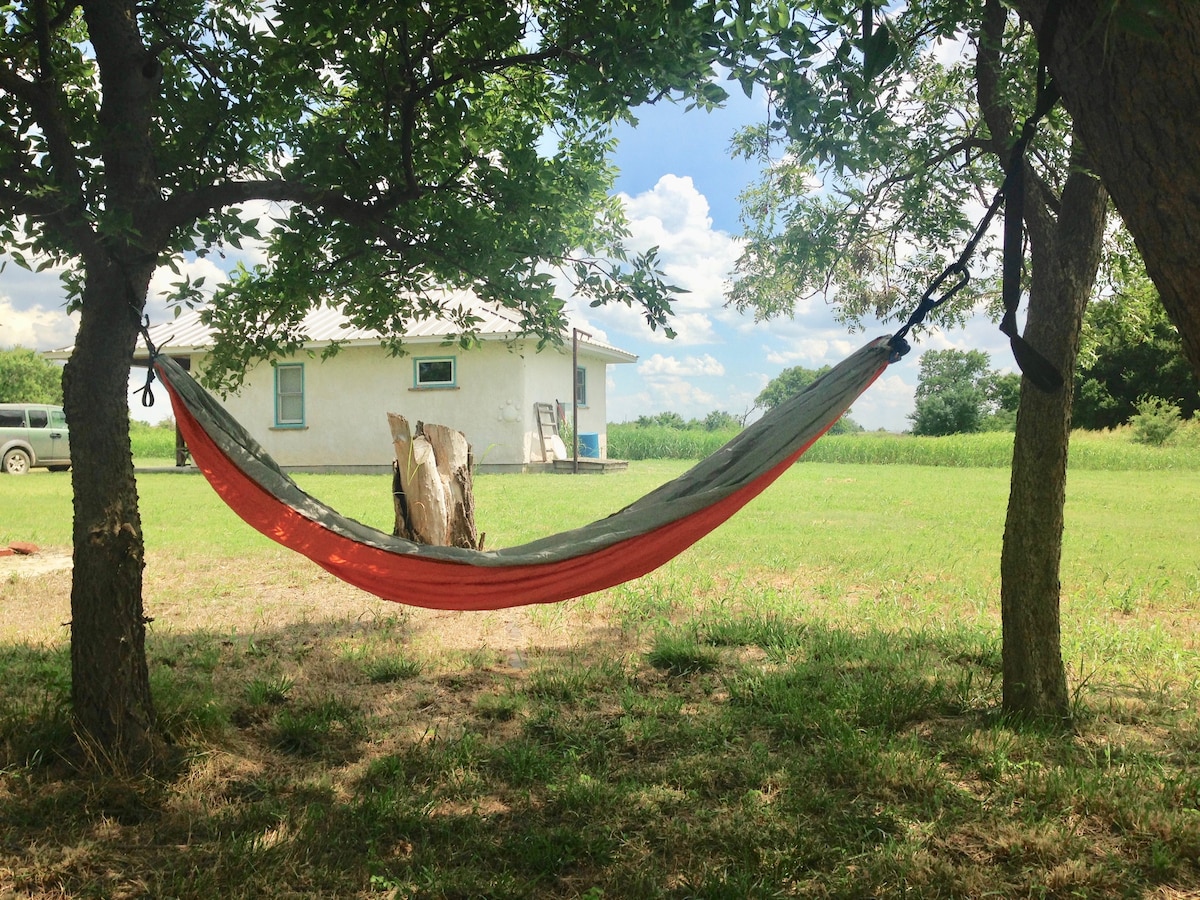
point(28, 377)
point(1130, 350)
point(787, 383)
point(958, 393)
point(407, 149)
point(877, 155)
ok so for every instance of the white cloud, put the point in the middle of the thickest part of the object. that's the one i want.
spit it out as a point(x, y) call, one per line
point(35, 327)
point(680, 395)
point(797, 353)
point(674, 216)
point(659, 365)
point(812, 352)
point(886, 404)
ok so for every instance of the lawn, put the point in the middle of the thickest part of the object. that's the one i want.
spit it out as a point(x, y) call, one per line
point(803, 704)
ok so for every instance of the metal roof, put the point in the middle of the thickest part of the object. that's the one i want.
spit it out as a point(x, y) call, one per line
point(325, 325)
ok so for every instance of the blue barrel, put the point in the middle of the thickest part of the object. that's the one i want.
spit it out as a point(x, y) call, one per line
point(589, 444)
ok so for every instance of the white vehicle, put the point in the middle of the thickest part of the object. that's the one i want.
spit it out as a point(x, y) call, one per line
point(33, 435)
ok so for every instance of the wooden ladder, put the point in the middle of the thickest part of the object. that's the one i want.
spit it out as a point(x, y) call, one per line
point(547, 423)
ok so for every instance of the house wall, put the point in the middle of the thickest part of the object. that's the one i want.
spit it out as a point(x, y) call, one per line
point(347, 398)
point(593, 415)
point(549, 379)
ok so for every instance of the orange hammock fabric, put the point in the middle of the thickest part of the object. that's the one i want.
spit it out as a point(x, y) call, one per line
point(621, 547)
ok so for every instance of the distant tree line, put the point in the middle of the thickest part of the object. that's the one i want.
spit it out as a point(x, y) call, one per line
point(1132, 370)
point(957, 393)
point(781, 387)
point(1130, 355)
point(717, 420)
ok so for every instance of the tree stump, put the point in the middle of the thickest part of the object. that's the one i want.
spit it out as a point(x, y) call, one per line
point(431, 485)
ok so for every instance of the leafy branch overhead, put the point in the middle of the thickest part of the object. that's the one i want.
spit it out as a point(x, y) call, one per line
point(886, 144)
point(399, 148)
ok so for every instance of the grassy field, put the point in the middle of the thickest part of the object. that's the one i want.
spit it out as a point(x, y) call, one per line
point(803, 704)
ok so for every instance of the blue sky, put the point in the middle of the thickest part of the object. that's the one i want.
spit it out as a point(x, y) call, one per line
point(680, 189)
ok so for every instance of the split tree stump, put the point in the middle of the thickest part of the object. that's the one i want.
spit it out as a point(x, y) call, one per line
point(431, 485)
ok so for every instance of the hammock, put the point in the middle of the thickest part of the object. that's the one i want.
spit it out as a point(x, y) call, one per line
point(623, 546)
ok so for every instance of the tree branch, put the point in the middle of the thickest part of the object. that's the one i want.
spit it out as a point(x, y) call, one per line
point(57, 22)
point(997, 115)
point(183, 209)
point(45, 102)
point(874, 192)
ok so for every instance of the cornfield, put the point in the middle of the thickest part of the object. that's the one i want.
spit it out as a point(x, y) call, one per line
point(1101, 450)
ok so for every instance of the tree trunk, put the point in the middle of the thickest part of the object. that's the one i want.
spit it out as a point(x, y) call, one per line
point(110, 686)
point(434, 499)
point(1135, 102)
point(1065, 255)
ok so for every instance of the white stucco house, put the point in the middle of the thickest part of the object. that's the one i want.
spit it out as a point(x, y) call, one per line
point(330, 414)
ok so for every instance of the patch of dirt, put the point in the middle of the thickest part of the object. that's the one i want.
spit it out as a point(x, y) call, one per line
point(46, 559)
point(261, 596)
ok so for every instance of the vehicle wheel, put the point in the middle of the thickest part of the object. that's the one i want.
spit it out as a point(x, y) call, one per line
point(16, 462)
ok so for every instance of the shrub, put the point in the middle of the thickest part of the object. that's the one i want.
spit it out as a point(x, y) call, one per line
point(1156, 420)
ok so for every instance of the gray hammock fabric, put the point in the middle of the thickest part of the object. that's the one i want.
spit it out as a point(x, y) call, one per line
point(606, 552)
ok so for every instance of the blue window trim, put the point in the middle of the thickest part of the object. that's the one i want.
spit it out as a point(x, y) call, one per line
point(279, 423)
point(434, 385)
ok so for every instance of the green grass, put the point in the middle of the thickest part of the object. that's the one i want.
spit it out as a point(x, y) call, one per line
point(804, 704)
point(1111, 450)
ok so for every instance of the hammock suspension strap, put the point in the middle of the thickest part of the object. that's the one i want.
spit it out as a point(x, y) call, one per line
point(147, 391)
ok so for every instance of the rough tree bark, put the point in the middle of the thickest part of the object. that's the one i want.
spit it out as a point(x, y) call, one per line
point(432, 491)
point(110, 687)
point(1134, 96)
point(1065, 255)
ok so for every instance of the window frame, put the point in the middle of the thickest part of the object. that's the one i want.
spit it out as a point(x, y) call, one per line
point(279, 395)
point(581, 386)
point(420, 385)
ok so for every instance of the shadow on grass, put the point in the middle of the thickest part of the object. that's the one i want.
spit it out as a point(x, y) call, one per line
point(750, 756)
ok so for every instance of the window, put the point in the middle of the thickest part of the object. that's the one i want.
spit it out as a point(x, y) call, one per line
point(12, 418)
point(580, 386)
point(289, 395)
point(434, 372)
point(38, 418)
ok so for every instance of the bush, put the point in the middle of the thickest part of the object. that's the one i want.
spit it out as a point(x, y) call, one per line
point(1156, 420)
